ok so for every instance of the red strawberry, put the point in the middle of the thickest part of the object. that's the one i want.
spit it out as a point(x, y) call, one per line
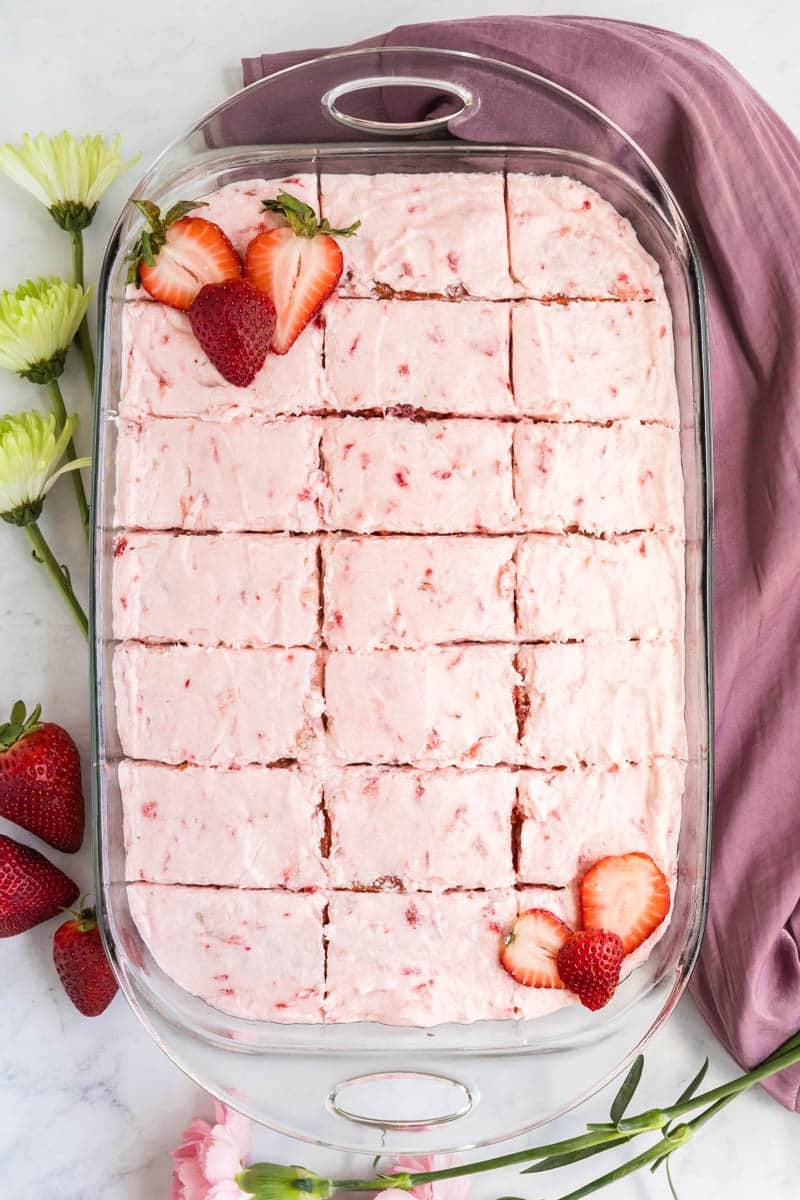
point(589, 963)
point(627, 894)
point(297, 265)
point(529, 951)
point(176, 254)
point(82, 965)
point(31, 888)
point(234, 324)
point(40, 779)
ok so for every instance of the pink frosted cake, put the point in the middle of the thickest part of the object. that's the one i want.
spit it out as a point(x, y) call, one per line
point(400, 621)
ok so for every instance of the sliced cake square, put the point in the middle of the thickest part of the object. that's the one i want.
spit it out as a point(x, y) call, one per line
point(217, 707)
point(412, 591)
point(252, 828)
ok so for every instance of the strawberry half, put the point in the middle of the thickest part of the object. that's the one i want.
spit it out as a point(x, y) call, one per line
point(40, 779)
point(234, 324)
point(297, 265)
point(32, 890)
point(530, 949)
point(82, 965)
point(176, 255)
point(589, 963)
point(626, 894)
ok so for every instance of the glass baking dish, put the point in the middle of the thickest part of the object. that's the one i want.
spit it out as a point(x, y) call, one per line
point(367, 1087)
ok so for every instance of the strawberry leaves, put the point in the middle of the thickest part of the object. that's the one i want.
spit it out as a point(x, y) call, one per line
point(302, 219)
point(18, 725)
point(154, 234)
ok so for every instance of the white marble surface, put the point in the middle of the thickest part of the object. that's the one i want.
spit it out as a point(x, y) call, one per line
point(91, 1108)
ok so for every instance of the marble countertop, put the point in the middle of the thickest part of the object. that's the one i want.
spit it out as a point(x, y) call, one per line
point(91, 1109)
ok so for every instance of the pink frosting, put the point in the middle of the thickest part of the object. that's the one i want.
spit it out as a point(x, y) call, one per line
point(184, 474)
point(376, 815)
point(566, 240)
point(594, 361)
point(251, 828)
point(167, 374)
point(602, 704)
point(573, 818)
point(438, 943)
point(597, 588)
point(598, 480)
point(236, 589)
point(401, 476)
point(218, 707)
point(255, 954)
point(428, 233)
point(389, 353)
point(412, 591)
point(429, 707)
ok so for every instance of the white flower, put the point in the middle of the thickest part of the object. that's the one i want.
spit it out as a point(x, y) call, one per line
point(29, 455)
point(37, 324)
point(66, 174)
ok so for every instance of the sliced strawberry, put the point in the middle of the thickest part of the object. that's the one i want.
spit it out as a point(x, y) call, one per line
point(530, 950)
point(81, 963)
point(297, 265)
point(626, 894)
point(589, 963)
point(178, 254)
point(234, 324)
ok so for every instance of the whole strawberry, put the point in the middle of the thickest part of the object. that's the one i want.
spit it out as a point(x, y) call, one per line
point(40, 779)
point(234, 324)
point(82, 965)
point(589, 963)
point(31, 888)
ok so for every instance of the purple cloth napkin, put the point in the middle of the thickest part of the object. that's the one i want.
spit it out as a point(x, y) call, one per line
point(735, 168)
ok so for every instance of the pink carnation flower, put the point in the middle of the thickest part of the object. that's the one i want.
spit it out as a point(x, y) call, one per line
point(210, 1157)
point(445, 1189)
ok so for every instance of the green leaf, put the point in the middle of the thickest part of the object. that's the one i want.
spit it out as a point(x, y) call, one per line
point(302, 219)
point(150, 211)
point(18, 713)
point(564, 1160)
point(690, 1090)
point(627, 1090)
point(181, 209)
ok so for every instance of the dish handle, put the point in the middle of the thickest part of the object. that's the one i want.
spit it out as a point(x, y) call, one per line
point(467, 104)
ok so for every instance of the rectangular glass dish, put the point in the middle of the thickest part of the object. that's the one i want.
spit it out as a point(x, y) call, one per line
point(449, 1086)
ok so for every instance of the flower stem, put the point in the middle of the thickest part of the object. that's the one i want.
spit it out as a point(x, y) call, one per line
point(83, 338)
point(46, 557)
point(59, 408)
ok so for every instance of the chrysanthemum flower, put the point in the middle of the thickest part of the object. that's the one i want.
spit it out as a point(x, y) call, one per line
point(68, 175)
point(30, 451)
point(37, 324)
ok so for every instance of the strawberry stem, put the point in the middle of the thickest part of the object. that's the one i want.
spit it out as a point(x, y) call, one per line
point(303, 220)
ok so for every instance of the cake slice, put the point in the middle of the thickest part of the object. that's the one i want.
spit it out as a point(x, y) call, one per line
point(412, 591)
point(594, 361)
point(588, 589)
point(436, 707)
point(566, 240)
point(573, 818)
point(252, 828)
point(390, 355)
point(217, 707)
point(401, 476)
point(239, 207)
point(244, 589)
point(619, 478)
point(601, 704)
point(166, 372)
point(254, 954)
point(442, 234)
point(208, 475)
point(428, 830)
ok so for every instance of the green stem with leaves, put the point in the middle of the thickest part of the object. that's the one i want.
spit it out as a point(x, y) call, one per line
point(60, 411)
point(83, 337)
point(45, 556)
